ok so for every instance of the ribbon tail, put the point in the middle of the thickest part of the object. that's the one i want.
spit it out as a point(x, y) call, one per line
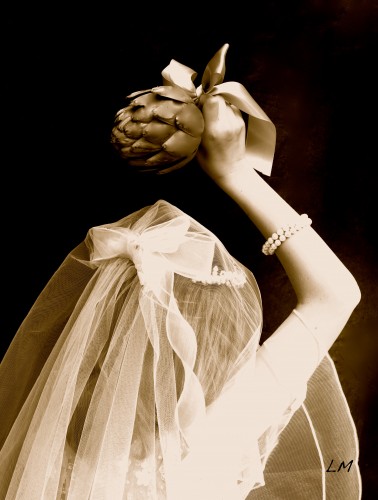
point(261, 132)
point(191, 406)
point(215, 69)
point(179, 75)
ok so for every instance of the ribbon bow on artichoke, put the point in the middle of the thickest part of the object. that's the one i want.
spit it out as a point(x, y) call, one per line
point(161, 128)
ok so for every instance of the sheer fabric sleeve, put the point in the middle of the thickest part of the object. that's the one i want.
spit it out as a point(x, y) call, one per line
point(307, 436)
point(278, 427)
point(231, 447)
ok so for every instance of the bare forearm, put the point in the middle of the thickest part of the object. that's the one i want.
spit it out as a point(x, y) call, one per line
point(305, 255)
point(260, 202)
point(326, 291)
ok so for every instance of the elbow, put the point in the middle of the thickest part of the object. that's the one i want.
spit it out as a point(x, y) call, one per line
point(350, 293)
point(339, 295)
point(328, 309)
point(346, 296)
point(355, 294)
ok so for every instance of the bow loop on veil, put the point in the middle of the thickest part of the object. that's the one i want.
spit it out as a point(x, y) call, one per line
point(109, 243)
point(160, 250)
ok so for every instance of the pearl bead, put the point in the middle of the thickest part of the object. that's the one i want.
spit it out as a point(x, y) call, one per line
point(284, 232)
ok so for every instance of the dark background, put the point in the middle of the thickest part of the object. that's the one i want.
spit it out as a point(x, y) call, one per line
point(309, 64)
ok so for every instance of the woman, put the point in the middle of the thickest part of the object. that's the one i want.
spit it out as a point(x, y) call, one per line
point(138, 372)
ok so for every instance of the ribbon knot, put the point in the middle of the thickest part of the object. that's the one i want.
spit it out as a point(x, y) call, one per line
point(125, 242)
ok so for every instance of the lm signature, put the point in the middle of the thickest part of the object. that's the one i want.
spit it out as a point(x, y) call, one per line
point(341, 466)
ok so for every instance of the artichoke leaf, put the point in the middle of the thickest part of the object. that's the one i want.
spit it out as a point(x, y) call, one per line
point(143, 114)
point(138, 93)
point(145, 100)
point(190, 120)
point(158, 132)
point(181, 144)
point(175, 93)
point(161, 158)
point(119, 139)
point(128, 153)
point(144, 146)
point(133, 129)
point(167, 110)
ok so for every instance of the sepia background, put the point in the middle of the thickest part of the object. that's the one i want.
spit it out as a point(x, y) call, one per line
point(309, 64)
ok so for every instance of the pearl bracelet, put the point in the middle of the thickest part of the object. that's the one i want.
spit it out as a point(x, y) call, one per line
point(284, 232)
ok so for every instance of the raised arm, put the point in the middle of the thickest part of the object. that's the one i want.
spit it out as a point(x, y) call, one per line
point(326, 291)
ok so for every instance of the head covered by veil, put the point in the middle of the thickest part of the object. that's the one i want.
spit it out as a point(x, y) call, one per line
point(138, 331)
point(109, 380)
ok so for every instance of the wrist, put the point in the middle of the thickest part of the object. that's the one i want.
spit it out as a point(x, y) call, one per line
point(263, 205)
point(236, 177)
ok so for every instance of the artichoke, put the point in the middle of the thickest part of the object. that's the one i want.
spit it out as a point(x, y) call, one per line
point(160, 129)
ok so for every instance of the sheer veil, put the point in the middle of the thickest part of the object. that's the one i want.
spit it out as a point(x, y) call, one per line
point(138, 337)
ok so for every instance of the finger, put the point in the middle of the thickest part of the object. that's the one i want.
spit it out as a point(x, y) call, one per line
point(217, 108)
point(226, 111)
point(210, 108)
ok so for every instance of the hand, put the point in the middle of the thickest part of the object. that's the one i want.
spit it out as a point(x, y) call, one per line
point(222, 149)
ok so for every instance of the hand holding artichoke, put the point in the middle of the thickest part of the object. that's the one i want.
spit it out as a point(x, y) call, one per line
point(160, 129)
